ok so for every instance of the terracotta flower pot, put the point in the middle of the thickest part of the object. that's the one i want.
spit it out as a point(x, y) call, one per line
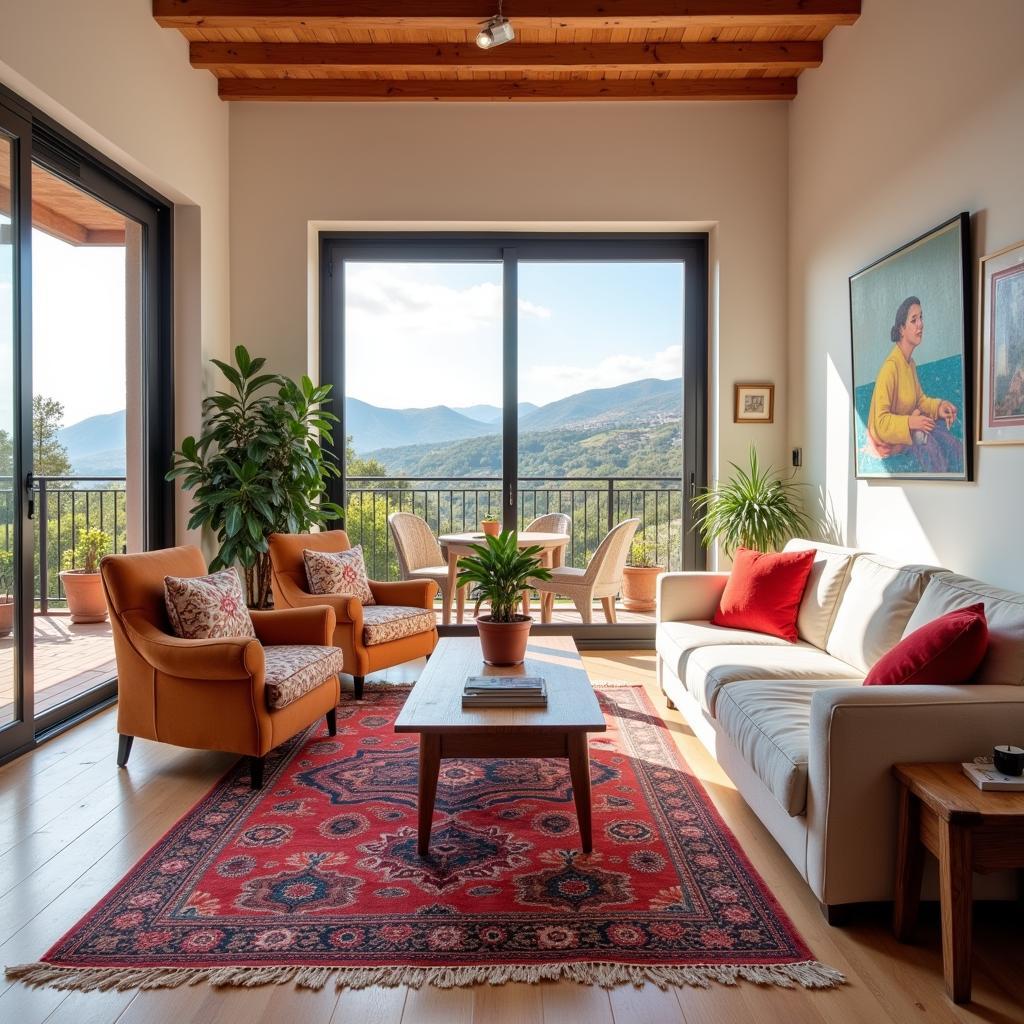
point(504, 643)
point(639, 587)
point(85, 595)
point(491, 527)
point(6, 616)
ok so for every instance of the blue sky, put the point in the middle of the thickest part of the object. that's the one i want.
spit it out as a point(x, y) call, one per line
point(438, 329)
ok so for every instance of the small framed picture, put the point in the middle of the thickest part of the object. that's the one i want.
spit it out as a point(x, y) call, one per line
point(755, 403)
point(1001, 347)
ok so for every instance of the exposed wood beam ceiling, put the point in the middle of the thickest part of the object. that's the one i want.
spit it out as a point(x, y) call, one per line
point(303, 50)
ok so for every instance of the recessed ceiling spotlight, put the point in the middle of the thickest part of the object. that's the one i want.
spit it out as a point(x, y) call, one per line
point(495, 31)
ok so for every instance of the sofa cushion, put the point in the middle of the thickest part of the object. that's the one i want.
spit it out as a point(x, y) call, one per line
point(769, 722)
point(829, 576)
point(875, 608)
point(293, 670)
point(207, 607)
point(676, 641)
point(384, 622)
point(946, 651)
point(338, 572)
point(711, 668)
point(1004, 611)
point(764, 592)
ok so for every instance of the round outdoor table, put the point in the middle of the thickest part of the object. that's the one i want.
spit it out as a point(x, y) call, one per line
point(458, 544)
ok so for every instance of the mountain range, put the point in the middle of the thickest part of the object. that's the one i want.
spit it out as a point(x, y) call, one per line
point(96, 446)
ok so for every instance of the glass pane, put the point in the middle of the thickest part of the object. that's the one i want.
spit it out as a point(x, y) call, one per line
point(86, 266)
point(10, 698)
point(600, 419)
point(423, 400)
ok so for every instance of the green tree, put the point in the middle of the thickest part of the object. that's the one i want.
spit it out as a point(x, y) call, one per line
point(49, 456)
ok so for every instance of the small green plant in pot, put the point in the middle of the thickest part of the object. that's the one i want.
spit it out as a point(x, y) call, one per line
point(640, 576)
point(81, 576)
point(491, 525)
point(756, 509)
point(500, 572)
point(6, 592)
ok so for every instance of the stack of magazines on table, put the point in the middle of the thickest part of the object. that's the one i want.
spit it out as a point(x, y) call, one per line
point(504, 692)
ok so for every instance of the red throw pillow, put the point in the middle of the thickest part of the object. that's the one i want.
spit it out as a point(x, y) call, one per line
point(763, 592)
point(946, 650)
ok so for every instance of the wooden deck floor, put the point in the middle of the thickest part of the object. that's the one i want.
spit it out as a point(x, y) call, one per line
point(71, 825)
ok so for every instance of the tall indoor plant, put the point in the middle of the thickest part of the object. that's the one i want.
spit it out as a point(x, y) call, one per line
point(258, 467)
point(501, 572)
point(756, 509)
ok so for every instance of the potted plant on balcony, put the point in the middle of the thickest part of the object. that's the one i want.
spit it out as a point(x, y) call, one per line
point(6, 595)
point(501, 572)
point(756, 509)
point(81, 576)
point(491, 525)
point(640, 576)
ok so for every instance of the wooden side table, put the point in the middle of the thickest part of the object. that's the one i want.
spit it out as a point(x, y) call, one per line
point(967, 829)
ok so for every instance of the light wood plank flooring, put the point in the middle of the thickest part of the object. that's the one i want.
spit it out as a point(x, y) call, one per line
point(71, 825)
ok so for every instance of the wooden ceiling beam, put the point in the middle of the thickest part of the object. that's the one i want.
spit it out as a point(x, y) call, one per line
point(391, 57)
point(339, 89)
point(467, 14)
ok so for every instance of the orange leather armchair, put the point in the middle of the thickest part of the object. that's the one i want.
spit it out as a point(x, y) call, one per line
point(288, 578)
point(205, 694)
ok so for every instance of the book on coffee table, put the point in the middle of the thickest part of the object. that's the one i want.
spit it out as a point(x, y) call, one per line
point(504, 692)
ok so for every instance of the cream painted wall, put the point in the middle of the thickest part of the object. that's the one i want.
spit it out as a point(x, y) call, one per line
point(295, 167)
point(917, 113)
point(105, 70)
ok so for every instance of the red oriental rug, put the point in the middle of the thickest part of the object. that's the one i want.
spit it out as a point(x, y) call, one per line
point(317, 877)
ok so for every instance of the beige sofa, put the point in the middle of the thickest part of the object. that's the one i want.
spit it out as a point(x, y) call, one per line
point(810, 748)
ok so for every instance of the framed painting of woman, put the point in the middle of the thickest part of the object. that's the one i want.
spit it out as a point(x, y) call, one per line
point(910, 330)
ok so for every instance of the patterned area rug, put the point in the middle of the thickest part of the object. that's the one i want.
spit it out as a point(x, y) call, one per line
point(317, 877)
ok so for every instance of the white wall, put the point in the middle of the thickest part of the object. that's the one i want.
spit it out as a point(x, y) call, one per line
point(105, 70)
point(295, 167)
point(917, 113)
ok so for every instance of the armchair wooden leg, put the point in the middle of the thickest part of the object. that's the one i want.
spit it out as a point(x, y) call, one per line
point(358, 681)
point(332, 722)
point(124, 749)
point(256, 772)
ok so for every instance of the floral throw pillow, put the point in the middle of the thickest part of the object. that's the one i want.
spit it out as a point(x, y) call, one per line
point(338, 572)
point(207, 607)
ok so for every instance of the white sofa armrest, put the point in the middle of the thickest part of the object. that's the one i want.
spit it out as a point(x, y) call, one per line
point(857, 733)
point(686, 596)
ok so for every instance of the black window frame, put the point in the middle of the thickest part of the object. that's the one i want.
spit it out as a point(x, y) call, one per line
point(508, 249)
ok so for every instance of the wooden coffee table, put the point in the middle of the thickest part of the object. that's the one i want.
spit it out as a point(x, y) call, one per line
point(434, 710)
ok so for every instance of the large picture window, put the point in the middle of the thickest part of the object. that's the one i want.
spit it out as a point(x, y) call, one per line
point(552, 383)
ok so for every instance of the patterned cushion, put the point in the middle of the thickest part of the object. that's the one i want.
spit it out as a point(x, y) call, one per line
point(338, 572)
point(292, 671)
point(207, 607)
point(386, 622)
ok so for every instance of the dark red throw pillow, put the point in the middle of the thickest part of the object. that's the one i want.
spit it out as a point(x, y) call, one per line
point(763, 592)
point(947, 650)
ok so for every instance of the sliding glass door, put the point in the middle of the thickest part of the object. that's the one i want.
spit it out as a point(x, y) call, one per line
point(526, 377)
point(85, 411)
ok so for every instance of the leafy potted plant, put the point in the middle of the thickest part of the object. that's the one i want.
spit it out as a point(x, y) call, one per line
point(756, 509)
point(491, 525)
point(6, 595)
point(501, 572)
point(258, 467)
point(81, 576)
point(640, 576)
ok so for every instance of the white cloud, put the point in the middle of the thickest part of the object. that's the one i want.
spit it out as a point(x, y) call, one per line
point(533, 309)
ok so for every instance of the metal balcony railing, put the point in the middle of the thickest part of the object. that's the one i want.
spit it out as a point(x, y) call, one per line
point(456, 504)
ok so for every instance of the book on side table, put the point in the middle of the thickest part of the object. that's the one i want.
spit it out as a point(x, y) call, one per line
point(504, 692)
point(984, 775)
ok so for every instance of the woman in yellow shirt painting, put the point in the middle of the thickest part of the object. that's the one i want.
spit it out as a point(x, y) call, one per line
point(902, 418)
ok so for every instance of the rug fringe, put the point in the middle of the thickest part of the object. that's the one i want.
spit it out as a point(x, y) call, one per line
point(808, 974)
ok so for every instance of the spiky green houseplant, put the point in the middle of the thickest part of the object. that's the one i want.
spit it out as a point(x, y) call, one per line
point(258, 466)
point(500, 572)
point(756, 509)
